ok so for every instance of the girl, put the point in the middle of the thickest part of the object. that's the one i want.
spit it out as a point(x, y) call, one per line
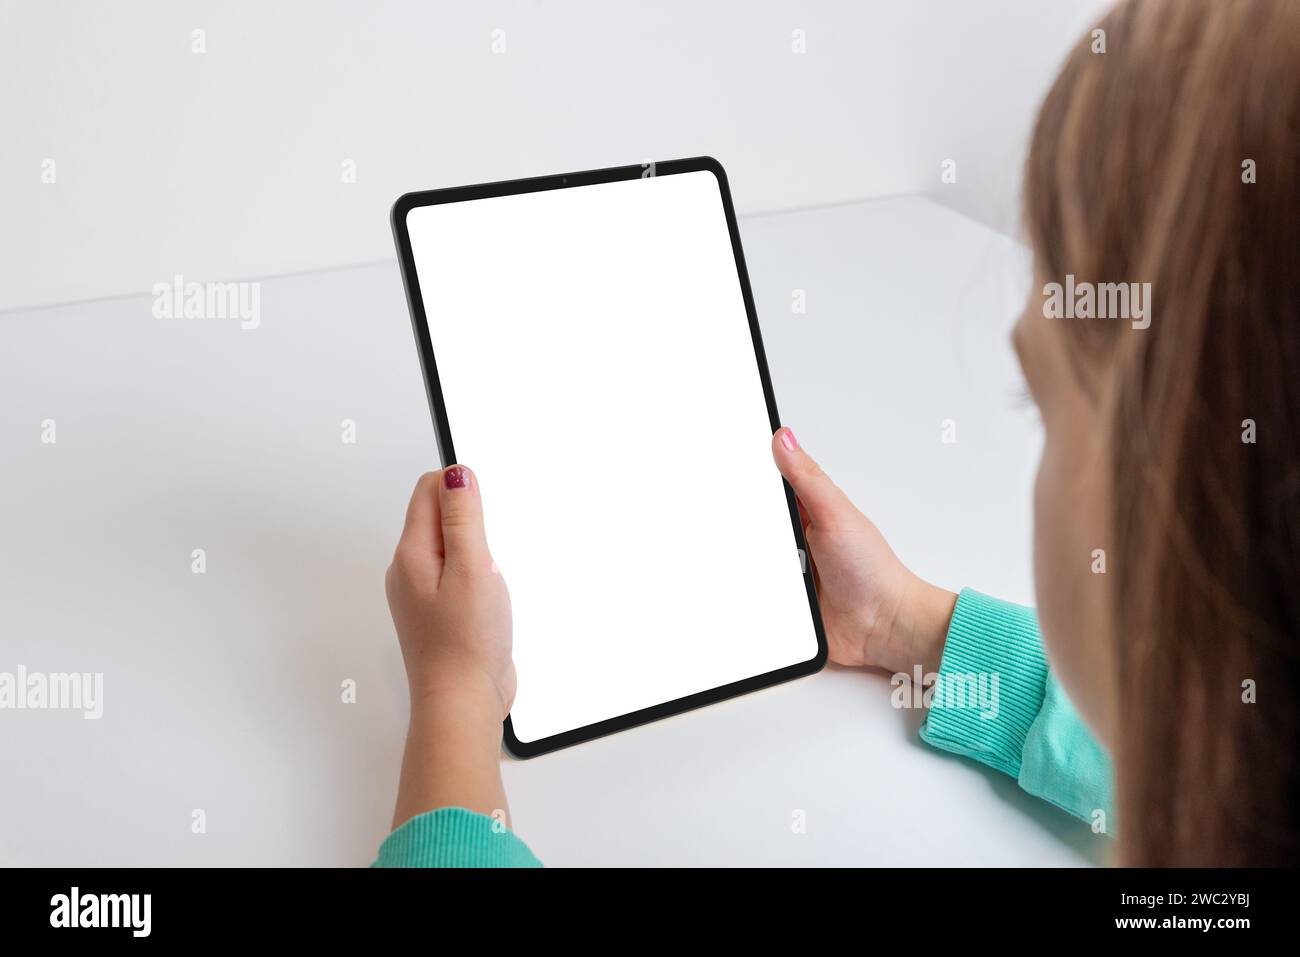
point(1172, 441)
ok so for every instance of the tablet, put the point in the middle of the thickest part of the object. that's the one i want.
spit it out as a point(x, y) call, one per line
point(591, 350)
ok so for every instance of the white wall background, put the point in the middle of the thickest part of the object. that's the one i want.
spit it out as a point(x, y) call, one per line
point(226, 164)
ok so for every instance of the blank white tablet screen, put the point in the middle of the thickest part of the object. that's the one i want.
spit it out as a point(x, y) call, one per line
point(599, 377)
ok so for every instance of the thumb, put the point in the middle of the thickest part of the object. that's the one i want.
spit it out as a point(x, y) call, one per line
point(820, 497)
point(461, 515)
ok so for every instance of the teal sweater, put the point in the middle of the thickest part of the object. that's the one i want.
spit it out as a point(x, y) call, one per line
point(994, 701)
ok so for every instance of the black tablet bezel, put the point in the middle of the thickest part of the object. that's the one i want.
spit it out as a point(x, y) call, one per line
point(446, 450)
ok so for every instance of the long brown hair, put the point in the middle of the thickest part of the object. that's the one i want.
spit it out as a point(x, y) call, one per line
point(1173, 157)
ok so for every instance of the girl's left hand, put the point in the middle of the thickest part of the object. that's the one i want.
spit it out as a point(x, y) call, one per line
point(452, 613)
point(449, 603)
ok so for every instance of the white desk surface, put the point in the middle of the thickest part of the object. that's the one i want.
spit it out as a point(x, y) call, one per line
point(222, 691)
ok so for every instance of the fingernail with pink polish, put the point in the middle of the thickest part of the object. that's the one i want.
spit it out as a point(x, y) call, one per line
point(787, 439)
point(455, 477)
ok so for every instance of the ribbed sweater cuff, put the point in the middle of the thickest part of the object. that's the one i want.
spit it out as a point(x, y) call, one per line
point(454, 837)
point(991, 682)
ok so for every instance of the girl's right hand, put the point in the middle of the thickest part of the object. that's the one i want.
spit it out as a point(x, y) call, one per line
point(876, 612)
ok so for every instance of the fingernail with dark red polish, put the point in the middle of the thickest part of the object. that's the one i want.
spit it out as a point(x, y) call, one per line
point(455, 477)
